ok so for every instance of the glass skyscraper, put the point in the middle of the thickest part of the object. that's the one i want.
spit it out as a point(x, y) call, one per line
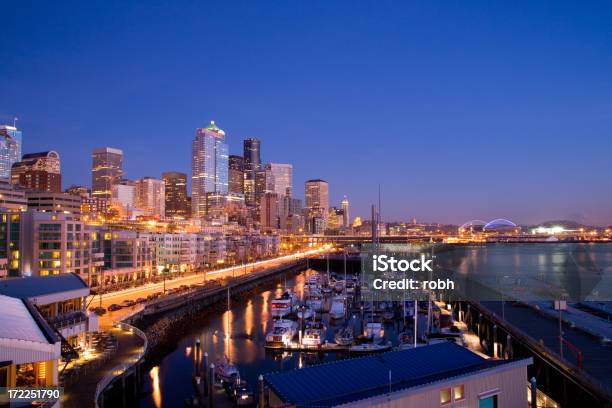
point(10, 149)
point(209, 166)
point(106, 170)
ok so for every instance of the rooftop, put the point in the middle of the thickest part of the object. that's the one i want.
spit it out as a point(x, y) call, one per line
point(20, 322)
point(346, 380)
point(37, 286)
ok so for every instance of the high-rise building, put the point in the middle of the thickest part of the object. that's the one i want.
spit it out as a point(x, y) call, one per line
point(236, 174)
point(151, 197)
point(279, 178)
point(176, 194)
point(106, 170)
point(10, 149)
point(209, 166)
point(252, 156)
point(38, 172)
point(12, 198)
point(345, 213)
point(124, 198)
point(317, 204)
point(269, 211)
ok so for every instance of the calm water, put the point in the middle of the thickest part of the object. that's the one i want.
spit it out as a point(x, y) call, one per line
point(170, 384)
point(552, 265)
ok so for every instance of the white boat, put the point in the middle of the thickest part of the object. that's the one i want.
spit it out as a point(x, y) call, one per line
point(284, 305)
point(315, 302)
point(337, 308)
point(226, 371)
point(314, 335)
point(305, 313)
point(370, 347)
point(282, 333)
point(405, 341)
point(375, 331)
point(350, 287)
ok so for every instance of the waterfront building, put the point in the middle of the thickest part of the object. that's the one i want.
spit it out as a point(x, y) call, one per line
point(55, 243)
point(236, 174)
point(279, 179)
point(54, 202)
point(106, 170)
point(123, 198)
point(150, 197)
point(175, 253)
point(269, 211)
point(29, 347)
point(127, 256)
point(176, 204)
point(10, 243)
point(209, 167)
point(346, 219)
point(62, 302)
point(10, 149)
point(12, 198)
point(38, 172)
point(316, 204)
point(433, 376)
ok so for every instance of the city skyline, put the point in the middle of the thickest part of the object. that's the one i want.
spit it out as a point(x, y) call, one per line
point(463, 131)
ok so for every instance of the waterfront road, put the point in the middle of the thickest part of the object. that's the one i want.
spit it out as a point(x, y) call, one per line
point(143, 291)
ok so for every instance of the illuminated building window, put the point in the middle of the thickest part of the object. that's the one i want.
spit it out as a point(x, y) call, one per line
point(445, 396)
point(458, 392)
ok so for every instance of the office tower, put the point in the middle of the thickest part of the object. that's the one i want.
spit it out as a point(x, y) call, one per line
point(123, 198)
point(176, 194)
point(261, 185)
point(225, 207)
point(209, 167)
point(236, 174)
point(151, 197)
point(106, 170)
point(252, 157)
point(279, 178)
point(269, 214)
point(10, 149)
point(317, 204)
point(345, 213)
point(38, 172)
point(249, 188)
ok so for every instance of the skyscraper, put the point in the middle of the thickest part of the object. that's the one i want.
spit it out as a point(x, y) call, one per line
point(209, 166)
point(317, 204)
point(10, 149)
point(279, 178)
point(345, 213)
point(106, 170)
point(176, 194)
point(252, 157)
point(236, 174)
point(269, 214)
point(38, 172)
point(151, 197)
point(252, 165)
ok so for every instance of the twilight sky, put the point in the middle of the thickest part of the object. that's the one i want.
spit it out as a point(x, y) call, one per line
point(460, 110)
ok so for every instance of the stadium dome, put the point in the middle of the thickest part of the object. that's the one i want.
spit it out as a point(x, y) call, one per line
point(500, 225)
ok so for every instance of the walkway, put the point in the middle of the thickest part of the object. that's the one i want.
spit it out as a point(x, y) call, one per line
point(80, 393)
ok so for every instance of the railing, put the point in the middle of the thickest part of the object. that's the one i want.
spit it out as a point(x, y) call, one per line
point(120, 369)
point(67, 321)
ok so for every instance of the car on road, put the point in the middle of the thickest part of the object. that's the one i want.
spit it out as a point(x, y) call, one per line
point(98, 310)
point(141, 300)
point(128, 303)
point(114, 307)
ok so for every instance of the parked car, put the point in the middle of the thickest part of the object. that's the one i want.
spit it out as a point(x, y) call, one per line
point(128, 303)
point(141, 300)
point(114, 307)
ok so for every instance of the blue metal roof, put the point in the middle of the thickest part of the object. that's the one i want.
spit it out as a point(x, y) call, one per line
point(354, 379)
point(29, 287)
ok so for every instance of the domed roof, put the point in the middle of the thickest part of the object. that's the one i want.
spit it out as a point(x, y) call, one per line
point(499, 223)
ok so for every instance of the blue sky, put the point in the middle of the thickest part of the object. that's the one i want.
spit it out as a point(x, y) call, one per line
point(459, 110)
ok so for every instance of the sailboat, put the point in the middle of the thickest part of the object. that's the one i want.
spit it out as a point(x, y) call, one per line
point(225, 371)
